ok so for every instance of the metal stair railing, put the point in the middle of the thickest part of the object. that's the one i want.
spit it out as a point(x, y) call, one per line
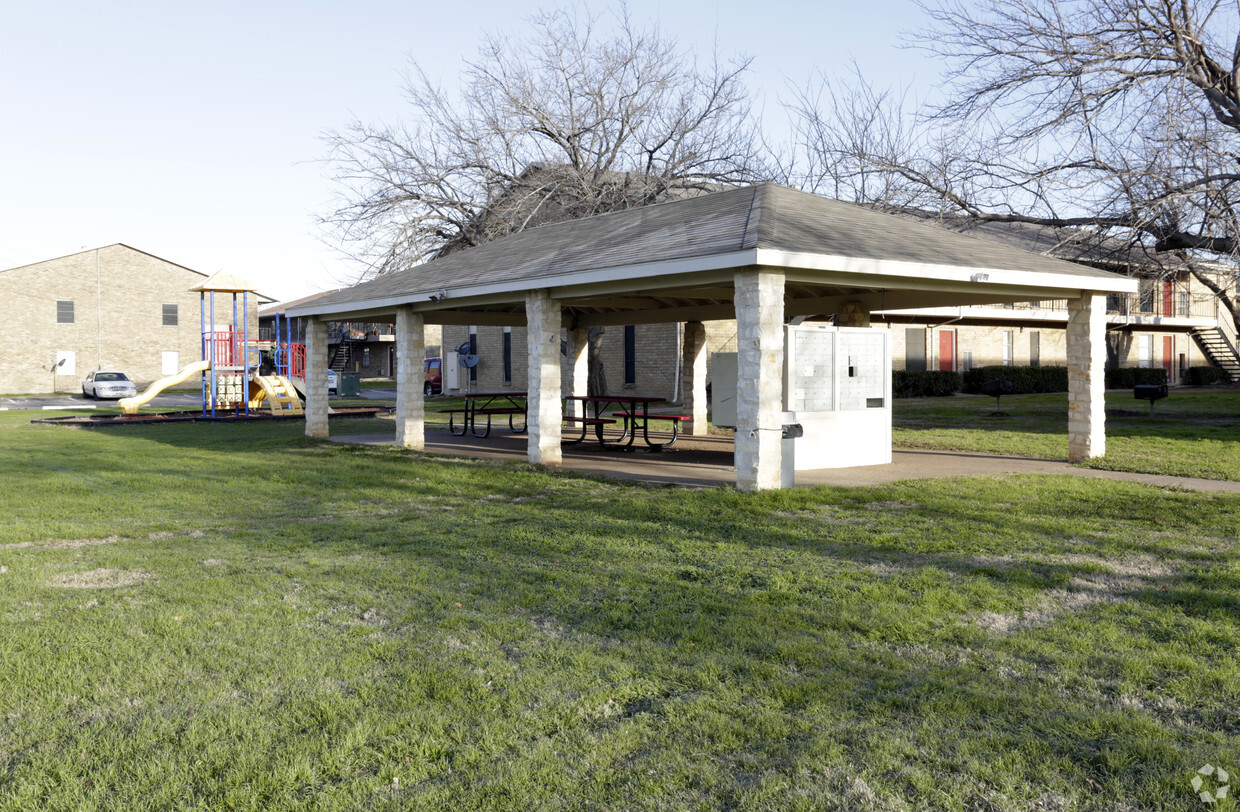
point(1221, 352)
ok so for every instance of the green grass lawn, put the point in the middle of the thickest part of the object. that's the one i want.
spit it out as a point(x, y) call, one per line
point(236, 617)
point(1193, 432)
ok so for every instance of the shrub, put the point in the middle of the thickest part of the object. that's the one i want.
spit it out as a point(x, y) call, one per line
point(1025, 380)
point(931, 383)
point(1128, 377)
point(1204, 376)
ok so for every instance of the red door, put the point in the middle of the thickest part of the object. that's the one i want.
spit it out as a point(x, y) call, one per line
point(1168, 351)
point(1167, 307)
point(947, 350)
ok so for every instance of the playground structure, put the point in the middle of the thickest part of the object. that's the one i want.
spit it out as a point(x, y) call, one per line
point(235, 378)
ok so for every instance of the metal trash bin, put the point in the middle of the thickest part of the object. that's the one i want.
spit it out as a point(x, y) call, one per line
point(790, 431)
point(349, 384)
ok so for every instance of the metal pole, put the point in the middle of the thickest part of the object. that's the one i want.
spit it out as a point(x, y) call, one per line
point(202, 347)
point(245, 346)
point(214, 378)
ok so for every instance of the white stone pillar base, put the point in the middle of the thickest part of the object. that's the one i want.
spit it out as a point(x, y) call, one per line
point(544, 412)
point(1087, 357)
point(693, 379)
point(316, 378)
point(759, 300)
point(579, 357)
point(410, 361)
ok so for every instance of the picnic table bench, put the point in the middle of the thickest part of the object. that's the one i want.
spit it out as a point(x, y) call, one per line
point(488, 405)
point(633, 411)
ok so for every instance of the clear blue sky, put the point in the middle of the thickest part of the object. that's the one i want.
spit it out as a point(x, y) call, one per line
point(194, 133)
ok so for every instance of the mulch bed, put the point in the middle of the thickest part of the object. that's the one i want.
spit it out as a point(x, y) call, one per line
point(105, 420)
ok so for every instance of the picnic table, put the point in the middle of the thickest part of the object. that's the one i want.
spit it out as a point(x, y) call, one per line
point(475, 405)
point(631, 411)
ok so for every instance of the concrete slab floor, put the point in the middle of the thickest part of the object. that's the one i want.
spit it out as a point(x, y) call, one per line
point(707, 462)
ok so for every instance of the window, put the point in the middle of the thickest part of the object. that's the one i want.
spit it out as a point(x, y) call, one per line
point(1145, 294)
point(630, 355)
point(915, 348)
point(170, 315)
point(1009, 348)
point(967, 362)
point(473, 350)
point(366, 357)
point(64, 311)
point(1145, 351)
point(507, 355)
point(1183, 303)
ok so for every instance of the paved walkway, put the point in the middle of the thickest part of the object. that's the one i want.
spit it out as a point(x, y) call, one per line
point(707, 462)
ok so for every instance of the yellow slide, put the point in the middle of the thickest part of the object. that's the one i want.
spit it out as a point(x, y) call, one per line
point(277, 391)
point(130, 405)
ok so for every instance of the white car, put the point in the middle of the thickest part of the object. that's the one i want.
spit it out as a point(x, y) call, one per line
point(108, 383)
point(332, 380)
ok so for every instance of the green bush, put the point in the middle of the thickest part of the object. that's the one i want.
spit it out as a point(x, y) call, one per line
point(932, 383)
point(1128, 377)
point(1025, 380)
point(1204, 376)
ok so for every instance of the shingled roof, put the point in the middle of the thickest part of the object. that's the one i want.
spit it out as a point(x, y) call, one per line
point(765, 224)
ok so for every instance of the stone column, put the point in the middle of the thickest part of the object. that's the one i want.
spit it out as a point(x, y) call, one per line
point(410, 360)
point(316, 378)
point(579, 374)
point(759, 300)
point(543, 409)
point(852, 314)
point(1087, 357)
point(693, 378)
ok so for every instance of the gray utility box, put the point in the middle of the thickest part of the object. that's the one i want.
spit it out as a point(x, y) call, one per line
point(349, 384)
point(837, 386)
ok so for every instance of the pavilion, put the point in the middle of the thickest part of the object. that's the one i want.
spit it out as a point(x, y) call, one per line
point(762, 255)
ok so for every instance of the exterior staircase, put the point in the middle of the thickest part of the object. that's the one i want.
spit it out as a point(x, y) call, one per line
point(1215, 346)
point(341, 356)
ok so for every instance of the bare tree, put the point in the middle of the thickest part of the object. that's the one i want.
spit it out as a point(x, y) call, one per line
point(572, 121)
point(1121, 116)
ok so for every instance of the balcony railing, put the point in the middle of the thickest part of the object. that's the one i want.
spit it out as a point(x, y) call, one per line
point(1177, 304)
point(358, 331)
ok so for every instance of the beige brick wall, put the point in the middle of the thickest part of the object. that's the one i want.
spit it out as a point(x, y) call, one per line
point(657, 350)
point(118, 295)
point(658, 346)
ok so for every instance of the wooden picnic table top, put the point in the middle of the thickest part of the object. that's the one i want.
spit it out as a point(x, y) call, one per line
point(486, 394)
point(615, 398)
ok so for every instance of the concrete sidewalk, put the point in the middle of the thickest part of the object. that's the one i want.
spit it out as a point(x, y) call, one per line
point(707, 462)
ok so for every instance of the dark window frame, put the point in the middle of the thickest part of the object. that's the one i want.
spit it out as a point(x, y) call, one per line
point(171, 318)
point(630, 355)
point(507, 356)
point(64, 307)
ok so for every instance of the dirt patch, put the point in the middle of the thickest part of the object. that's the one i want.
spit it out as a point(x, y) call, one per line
point(165, 535)
point(59, 544)
point(101, 579)
point(889, 506)
point(1085, 591)
point(1132, 567)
